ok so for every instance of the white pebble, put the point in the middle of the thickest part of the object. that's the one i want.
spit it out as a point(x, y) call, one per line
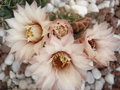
point(55, 2)
point(82, 3)
point(105, 4)
point(12, 75)
point(67, 7)
point(31, 87)
point(55, 10)
point(3, 66)
point(23, 84)
point(94, 21)
point(118, 69)
point(118, 49)
point(102, 80)
point(5, 78)
point(72, 2)
point(92, 87)
point(109, 68)
point(15, 81)
point(82, 85)
point(62, 4)
point(81, 10)
point(96, 73)
point(20, 76)
point(0, 69)
point(2, 75)
point(117, 36)
point(15, 88)
point(49, 7)
point(112, 3)
point(27, 73)
point(87, 87)
point(66, 1)
point(91, 63)
point(9, 81)
point(29, 80)
point(112, 11)
point(35, 78)
point(16, 66)
point(90, 78)
point(92, 1)
point(92, 8)
point(9, 60)
point(99, 84)
point(2, 32)
point(118, 24)
point(110, 78)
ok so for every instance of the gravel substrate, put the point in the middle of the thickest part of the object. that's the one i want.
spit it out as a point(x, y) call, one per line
point(14, 76)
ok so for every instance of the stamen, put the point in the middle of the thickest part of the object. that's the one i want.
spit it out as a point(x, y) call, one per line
point(60, 60)
point(33, 33)
point(60, 31)
point(60, 28)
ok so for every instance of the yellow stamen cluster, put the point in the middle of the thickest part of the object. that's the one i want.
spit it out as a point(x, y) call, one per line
point(60, 30)
point(60, 60)
point(29, 32)
point(33, 33)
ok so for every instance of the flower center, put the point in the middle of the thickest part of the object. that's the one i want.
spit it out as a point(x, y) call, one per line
point(60, 60)
point(60, 31)
point(92, 44)
point(60, 28)
point(33, 33)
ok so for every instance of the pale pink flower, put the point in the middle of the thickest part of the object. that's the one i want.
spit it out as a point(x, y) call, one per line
point(100, 44)
point(60, 65)
point(60, 28)
point(28, 31)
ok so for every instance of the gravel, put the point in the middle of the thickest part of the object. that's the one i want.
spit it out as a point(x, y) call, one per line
point(96, 73)
point(9, 60)
point(16, 66)
point(90, 78)
point(20, 76)
point(2, 75)
point(109, 78)
point(27, 73)
point(23, 84)
point(99, 84)
point(12, 75)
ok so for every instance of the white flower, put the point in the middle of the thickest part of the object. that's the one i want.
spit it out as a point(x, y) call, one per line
point(59, 28)
point(99, 44)
point(28, 31)
point(60, 65)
